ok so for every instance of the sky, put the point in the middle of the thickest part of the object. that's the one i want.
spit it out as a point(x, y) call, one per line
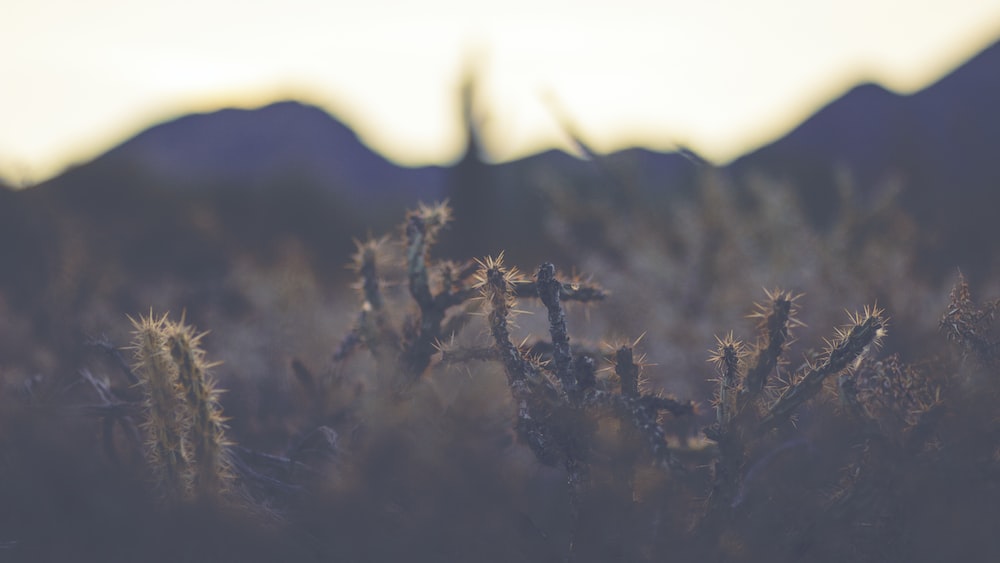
point(719, 76)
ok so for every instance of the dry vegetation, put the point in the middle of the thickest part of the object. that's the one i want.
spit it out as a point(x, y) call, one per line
point(465, 411)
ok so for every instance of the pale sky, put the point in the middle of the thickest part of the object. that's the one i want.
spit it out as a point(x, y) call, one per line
point(720, 76)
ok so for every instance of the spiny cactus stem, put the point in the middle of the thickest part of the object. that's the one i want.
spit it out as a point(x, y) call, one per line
point(165, 444)
point(370, 329)
point(369, 279)
point(970, 325)
point(496, 285)
point(535, 396)
point(548, 291)
point(727, 360)
point(416, 261)
point(865, 332)
point(775, 334)
point(517, 367)
point(627, 371)
point(419, 350)
point(207, 431)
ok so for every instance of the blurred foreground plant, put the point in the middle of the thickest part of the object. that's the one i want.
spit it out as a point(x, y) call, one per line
point(186, 442)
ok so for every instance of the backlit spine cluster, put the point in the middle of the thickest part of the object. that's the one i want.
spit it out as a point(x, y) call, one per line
point(184, 427)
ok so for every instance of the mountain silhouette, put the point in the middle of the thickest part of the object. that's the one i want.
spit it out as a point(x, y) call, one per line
point(939, 143)
point(192, 194)
point(947, 130)
point(258, 147)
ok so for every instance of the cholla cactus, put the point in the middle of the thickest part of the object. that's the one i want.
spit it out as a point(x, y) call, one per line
point(403, 353)
point(536, 396)
point(209, 468)
point(850, 346)
point(972, 326)
point(186, 444)
point(744, 412)
point(164, 428)
point(563, 408)
point(559, 405)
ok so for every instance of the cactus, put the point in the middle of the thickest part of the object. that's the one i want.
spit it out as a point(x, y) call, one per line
point(186, 444)
point(971, 326)
point(559, 409)
point(209, 467)
point(165, 428)
point(745, 415)
point(565, 460)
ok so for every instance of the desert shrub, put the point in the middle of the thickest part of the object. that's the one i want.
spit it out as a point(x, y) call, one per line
point(438, 431)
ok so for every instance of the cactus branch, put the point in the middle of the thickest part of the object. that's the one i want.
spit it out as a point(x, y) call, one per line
point(852, 343)
point(548, 291)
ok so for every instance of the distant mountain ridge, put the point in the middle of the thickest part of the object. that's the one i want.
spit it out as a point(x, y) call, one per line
point(939, 131)
point(289, 163)
point(941, 143)
point(945, 132)
point(259, 146)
